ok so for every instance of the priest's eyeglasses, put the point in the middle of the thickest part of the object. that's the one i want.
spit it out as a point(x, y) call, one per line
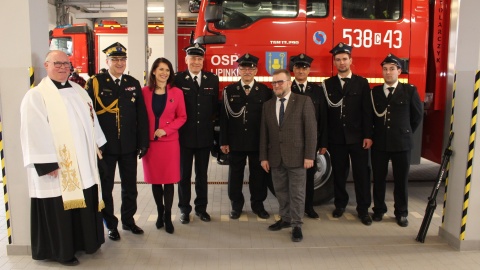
point(279, 83)
point(61, 64)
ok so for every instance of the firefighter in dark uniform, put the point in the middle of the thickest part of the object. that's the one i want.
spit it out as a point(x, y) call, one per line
point(240, 118)
point(120, 108)
point(300, 65)
point(350, 131)
point(398, 112)
point(200, 89)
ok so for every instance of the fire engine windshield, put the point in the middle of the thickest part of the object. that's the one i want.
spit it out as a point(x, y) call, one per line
point(372, 9)
point(63, 44)
point(240, 14)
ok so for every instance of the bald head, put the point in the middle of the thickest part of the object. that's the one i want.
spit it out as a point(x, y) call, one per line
point(57, 65)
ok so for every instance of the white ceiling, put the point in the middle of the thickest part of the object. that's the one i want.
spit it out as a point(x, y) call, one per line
point(104, 9)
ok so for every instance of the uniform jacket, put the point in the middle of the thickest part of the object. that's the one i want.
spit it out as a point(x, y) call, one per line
point(352, 122)
point(404, 113)
point(201, 106)
point(173, 116)
point(294, 140)
point(132, 113)
point(242, 133)
point(315, 92)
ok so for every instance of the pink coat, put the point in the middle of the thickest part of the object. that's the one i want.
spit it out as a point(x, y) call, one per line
point(161, 164)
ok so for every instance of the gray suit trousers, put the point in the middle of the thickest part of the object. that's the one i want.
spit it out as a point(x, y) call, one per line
point(289, 184)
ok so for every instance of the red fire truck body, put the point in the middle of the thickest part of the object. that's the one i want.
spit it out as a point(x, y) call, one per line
point(414, 30)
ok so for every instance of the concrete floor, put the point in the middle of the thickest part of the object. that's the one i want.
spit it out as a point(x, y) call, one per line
point(329, 243)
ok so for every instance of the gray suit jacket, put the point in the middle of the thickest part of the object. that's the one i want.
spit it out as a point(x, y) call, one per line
point(293, 141)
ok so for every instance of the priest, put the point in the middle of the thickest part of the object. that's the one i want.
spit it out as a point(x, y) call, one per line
point(60, 136)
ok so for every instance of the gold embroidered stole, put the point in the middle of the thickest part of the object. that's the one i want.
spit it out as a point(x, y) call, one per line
point(69, 174)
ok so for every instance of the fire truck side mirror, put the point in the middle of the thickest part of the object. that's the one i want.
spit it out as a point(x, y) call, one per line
point(213, 13)
point(215, 39)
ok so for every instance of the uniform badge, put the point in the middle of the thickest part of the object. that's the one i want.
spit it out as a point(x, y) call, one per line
point(133, 99)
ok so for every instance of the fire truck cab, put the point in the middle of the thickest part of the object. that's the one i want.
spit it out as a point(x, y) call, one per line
point(275, 30)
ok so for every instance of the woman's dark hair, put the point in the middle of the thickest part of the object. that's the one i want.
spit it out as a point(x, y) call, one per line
point(152, 83)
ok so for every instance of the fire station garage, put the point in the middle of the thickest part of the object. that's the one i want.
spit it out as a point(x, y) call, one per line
point(433, 44)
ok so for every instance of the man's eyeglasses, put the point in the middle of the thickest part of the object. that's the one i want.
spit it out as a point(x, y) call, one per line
point(61, 64)
point(247, 68)
point(116, 60)
point(279, 83)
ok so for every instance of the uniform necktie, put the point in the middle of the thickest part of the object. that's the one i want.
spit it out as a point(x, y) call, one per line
point(390, 91)
point(247, 89)
point(301, 87)
point(345, 82)
point(196, 82)
point(282, 112)
point(117, 81)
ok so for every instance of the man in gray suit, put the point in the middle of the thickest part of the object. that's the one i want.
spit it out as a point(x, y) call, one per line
point(288, 138)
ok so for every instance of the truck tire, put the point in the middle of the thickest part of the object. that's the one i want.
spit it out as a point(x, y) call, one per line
point(323, 180)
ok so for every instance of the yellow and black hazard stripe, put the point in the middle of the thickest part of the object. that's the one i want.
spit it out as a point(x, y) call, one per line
point(448, 165)
point(31, 75)
point(471, 148)
point(5, 193)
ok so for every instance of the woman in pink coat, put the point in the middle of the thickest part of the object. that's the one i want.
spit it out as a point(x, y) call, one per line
point(166, 114)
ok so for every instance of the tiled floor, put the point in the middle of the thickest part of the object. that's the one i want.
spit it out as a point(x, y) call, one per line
point(246, 243)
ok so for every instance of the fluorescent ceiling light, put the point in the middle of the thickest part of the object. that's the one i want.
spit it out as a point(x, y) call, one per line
point(99, 8)
point(155, 9)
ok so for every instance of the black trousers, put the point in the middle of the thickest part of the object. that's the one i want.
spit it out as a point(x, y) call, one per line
point(127, 167)
point(401, 166)
point(202, 156)
point(257, 181)
point(341, 155)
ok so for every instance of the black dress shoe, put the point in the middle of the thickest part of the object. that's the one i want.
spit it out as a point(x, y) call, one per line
point(204, 216)
point(377, 216)
point(235, 214)
point(277, 226)
point(311, 213)
point(184, 218)
point(338, 212)
point(72, 262)
point(113, 234)
point(133, 228)
point(297, 235)
point(366, 219)
point(402, 221)
point(159, 223)
point(262, 214)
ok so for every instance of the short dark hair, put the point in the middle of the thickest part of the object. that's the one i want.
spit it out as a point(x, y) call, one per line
point(152, 83)
point(286, 72)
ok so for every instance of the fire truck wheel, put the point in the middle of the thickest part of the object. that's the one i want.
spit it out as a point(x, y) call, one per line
point(323, 180)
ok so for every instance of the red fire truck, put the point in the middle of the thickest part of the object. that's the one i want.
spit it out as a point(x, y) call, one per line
point(415, 30)
point(84, 46)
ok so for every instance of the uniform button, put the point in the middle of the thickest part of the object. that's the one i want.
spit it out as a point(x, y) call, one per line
point(245, 129)
point(388, 112)
point(198, 122)
point(343, 115)
point(388, 119)
point(246, 103)
point(388, 126)
point(198, 104)
point(343, 124)
point(343, 106)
